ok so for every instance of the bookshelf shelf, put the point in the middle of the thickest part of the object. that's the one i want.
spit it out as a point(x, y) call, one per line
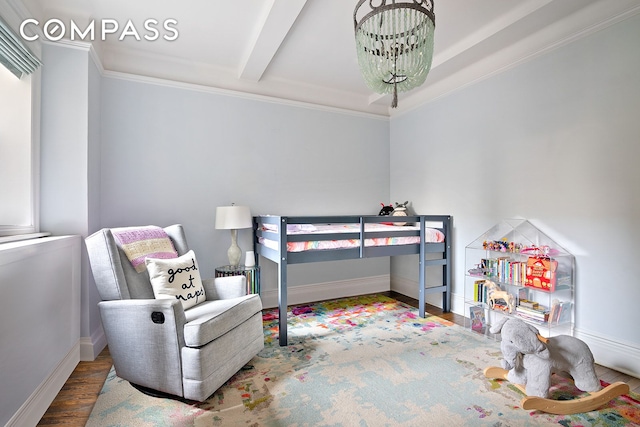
point(513, 269)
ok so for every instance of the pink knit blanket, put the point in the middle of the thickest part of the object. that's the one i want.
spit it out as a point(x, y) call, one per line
point(139, 243)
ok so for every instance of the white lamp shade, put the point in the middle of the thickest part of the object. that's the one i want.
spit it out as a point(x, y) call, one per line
point(233, 217)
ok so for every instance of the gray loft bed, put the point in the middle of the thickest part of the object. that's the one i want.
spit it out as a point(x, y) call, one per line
point(283, 258)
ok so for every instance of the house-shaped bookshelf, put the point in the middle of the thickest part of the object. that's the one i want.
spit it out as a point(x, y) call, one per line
point(514, 269)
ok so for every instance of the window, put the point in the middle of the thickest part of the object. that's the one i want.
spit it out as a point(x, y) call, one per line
point(19, 119)
point(16, 177)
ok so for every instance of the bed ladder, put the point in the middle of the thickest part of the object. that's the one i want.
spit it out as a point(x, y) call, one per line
point(445, 262)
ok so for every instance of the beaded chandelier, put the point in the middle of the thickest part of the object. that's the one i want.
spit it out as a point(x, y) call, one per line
point(394, 43)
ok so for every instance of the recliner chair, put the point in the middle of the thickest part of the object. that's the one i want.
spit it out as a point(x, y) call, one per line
point(155, 343)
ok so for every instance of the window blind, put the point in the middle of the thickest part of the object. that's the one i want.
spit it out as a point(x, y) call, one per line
point(14, 54)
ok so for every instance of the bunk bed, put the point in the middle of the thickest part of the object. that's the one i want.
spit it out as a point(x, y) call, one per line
point(302, 239)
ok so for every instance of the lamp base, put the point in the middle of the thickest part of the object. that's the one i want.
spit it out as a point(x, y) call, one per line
point(234, 253)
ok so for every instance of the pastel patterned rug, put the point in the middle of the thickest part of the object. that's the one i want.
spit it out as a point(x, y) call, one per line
point(363, 361)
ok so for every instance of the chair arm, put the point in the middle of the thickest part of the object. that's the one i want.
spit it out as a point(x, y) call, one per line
point(141, 317)
point(145, 337)
point(225, 287)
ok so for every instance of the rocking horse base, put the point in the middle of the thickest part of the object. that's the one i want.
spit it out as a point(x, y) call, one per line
point(563, 407)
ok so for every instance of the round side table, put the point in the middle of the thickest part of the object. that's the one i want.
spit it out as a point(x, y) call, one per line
point(251, 273)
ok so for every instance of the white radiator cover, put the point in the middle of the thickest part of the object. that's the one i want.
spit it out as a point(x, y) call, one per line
point(39, 324)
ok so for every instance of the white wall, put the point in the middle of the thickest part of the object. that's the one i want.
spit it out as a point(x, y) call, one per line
point(172, 153)
point(554, 141)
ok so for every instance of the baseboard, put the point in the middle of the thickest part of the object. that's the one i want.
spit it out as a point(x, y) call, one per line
point(411, 289)
point(614, 355)
point(329, 290)
point(90, 347)
point(37, 404)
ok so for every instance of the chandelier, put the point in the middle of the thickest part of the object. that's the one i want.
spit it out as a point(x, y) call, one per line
point(394, 43)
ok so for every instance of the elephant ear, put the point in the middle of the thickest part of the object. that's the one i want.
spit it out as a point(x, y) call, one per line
point(543, 351)
point(533, 329)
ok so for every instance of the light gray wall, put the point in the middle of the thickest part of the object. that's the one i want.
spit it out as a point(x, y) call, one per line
point(173, 154)
point(69, 135)
point(91, 315)
point(65, 97)
point(555, 141)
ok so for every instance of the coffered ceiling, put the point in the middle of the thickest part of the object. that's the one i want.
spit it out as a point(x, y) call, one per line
point(304, 50)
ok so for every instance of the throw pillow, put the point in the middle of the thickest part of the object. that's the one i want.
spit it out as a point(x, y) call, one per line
point(177, 278)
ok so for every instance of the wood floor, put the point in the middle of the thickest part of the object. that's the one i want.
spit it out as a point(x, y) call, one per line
point(73, 404)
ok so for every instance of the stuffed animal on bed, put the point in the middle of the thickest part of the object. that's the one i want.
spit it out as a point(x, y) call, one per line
point(531, 359)
point(400, 210)
point(401, 206)
point(386, 210)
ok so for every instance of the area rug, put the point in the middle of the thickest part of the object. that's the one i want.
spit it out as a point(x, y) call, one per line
point(364, 361)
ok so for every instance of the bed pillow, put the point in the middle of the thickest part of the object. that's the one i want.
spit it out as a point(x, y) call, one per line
point(177, 278)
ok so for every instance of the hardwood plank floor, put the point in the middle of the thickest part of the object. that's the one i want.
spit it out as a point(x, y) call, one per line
point(73, 404)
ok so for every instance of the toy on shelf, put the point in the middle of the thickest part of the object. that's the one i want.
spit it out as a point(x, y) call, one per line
point(540, 251)
point(478, 270)
point(495, 293)
point(529, 360)
point(501, 246)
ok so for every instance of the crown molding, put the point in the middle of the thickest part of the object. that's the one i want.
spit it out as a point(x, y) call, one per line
point(238, 94)
point(80, 45)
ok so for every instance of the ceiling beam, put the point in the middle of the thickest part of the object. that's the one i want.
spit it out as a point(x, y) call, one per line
point(511, 17)
point(276, 21)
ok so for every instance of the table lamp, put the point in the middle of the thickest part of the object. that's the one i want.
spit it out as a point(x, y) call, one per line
point(233, 218)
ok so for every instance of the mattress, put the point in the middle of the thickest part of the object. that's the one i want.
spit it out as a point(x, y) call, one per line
point(432, 235)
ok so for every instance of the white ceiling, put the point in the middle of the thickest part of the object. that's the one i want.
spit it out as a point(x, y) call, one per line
point(304, 50)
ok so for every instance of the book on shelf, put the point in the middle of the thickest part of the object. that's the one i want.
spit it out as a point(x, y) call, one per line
point(490, 266)
point(476, 315)
point(560, 311)
point(554, 310)
point(528, 304)
point(541, 273)
point(540, 314)
point(523, 294)
point(479, 291)
point(510, 270)
point(564, 312)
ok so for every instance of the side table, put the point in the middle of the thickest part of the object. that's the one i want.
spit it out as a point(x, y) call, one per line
point(251, 273)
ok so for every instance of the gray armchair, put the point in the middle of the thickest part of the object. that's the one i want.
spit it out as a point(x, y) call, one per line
point(155, 343)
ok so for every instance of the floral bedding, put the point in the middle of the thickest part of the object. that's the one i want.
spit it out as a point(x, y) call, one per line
point(432, 235)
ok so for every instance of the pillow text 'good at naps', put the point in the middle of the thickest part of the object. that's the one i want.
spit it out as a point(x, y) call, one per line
point(177, 278)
